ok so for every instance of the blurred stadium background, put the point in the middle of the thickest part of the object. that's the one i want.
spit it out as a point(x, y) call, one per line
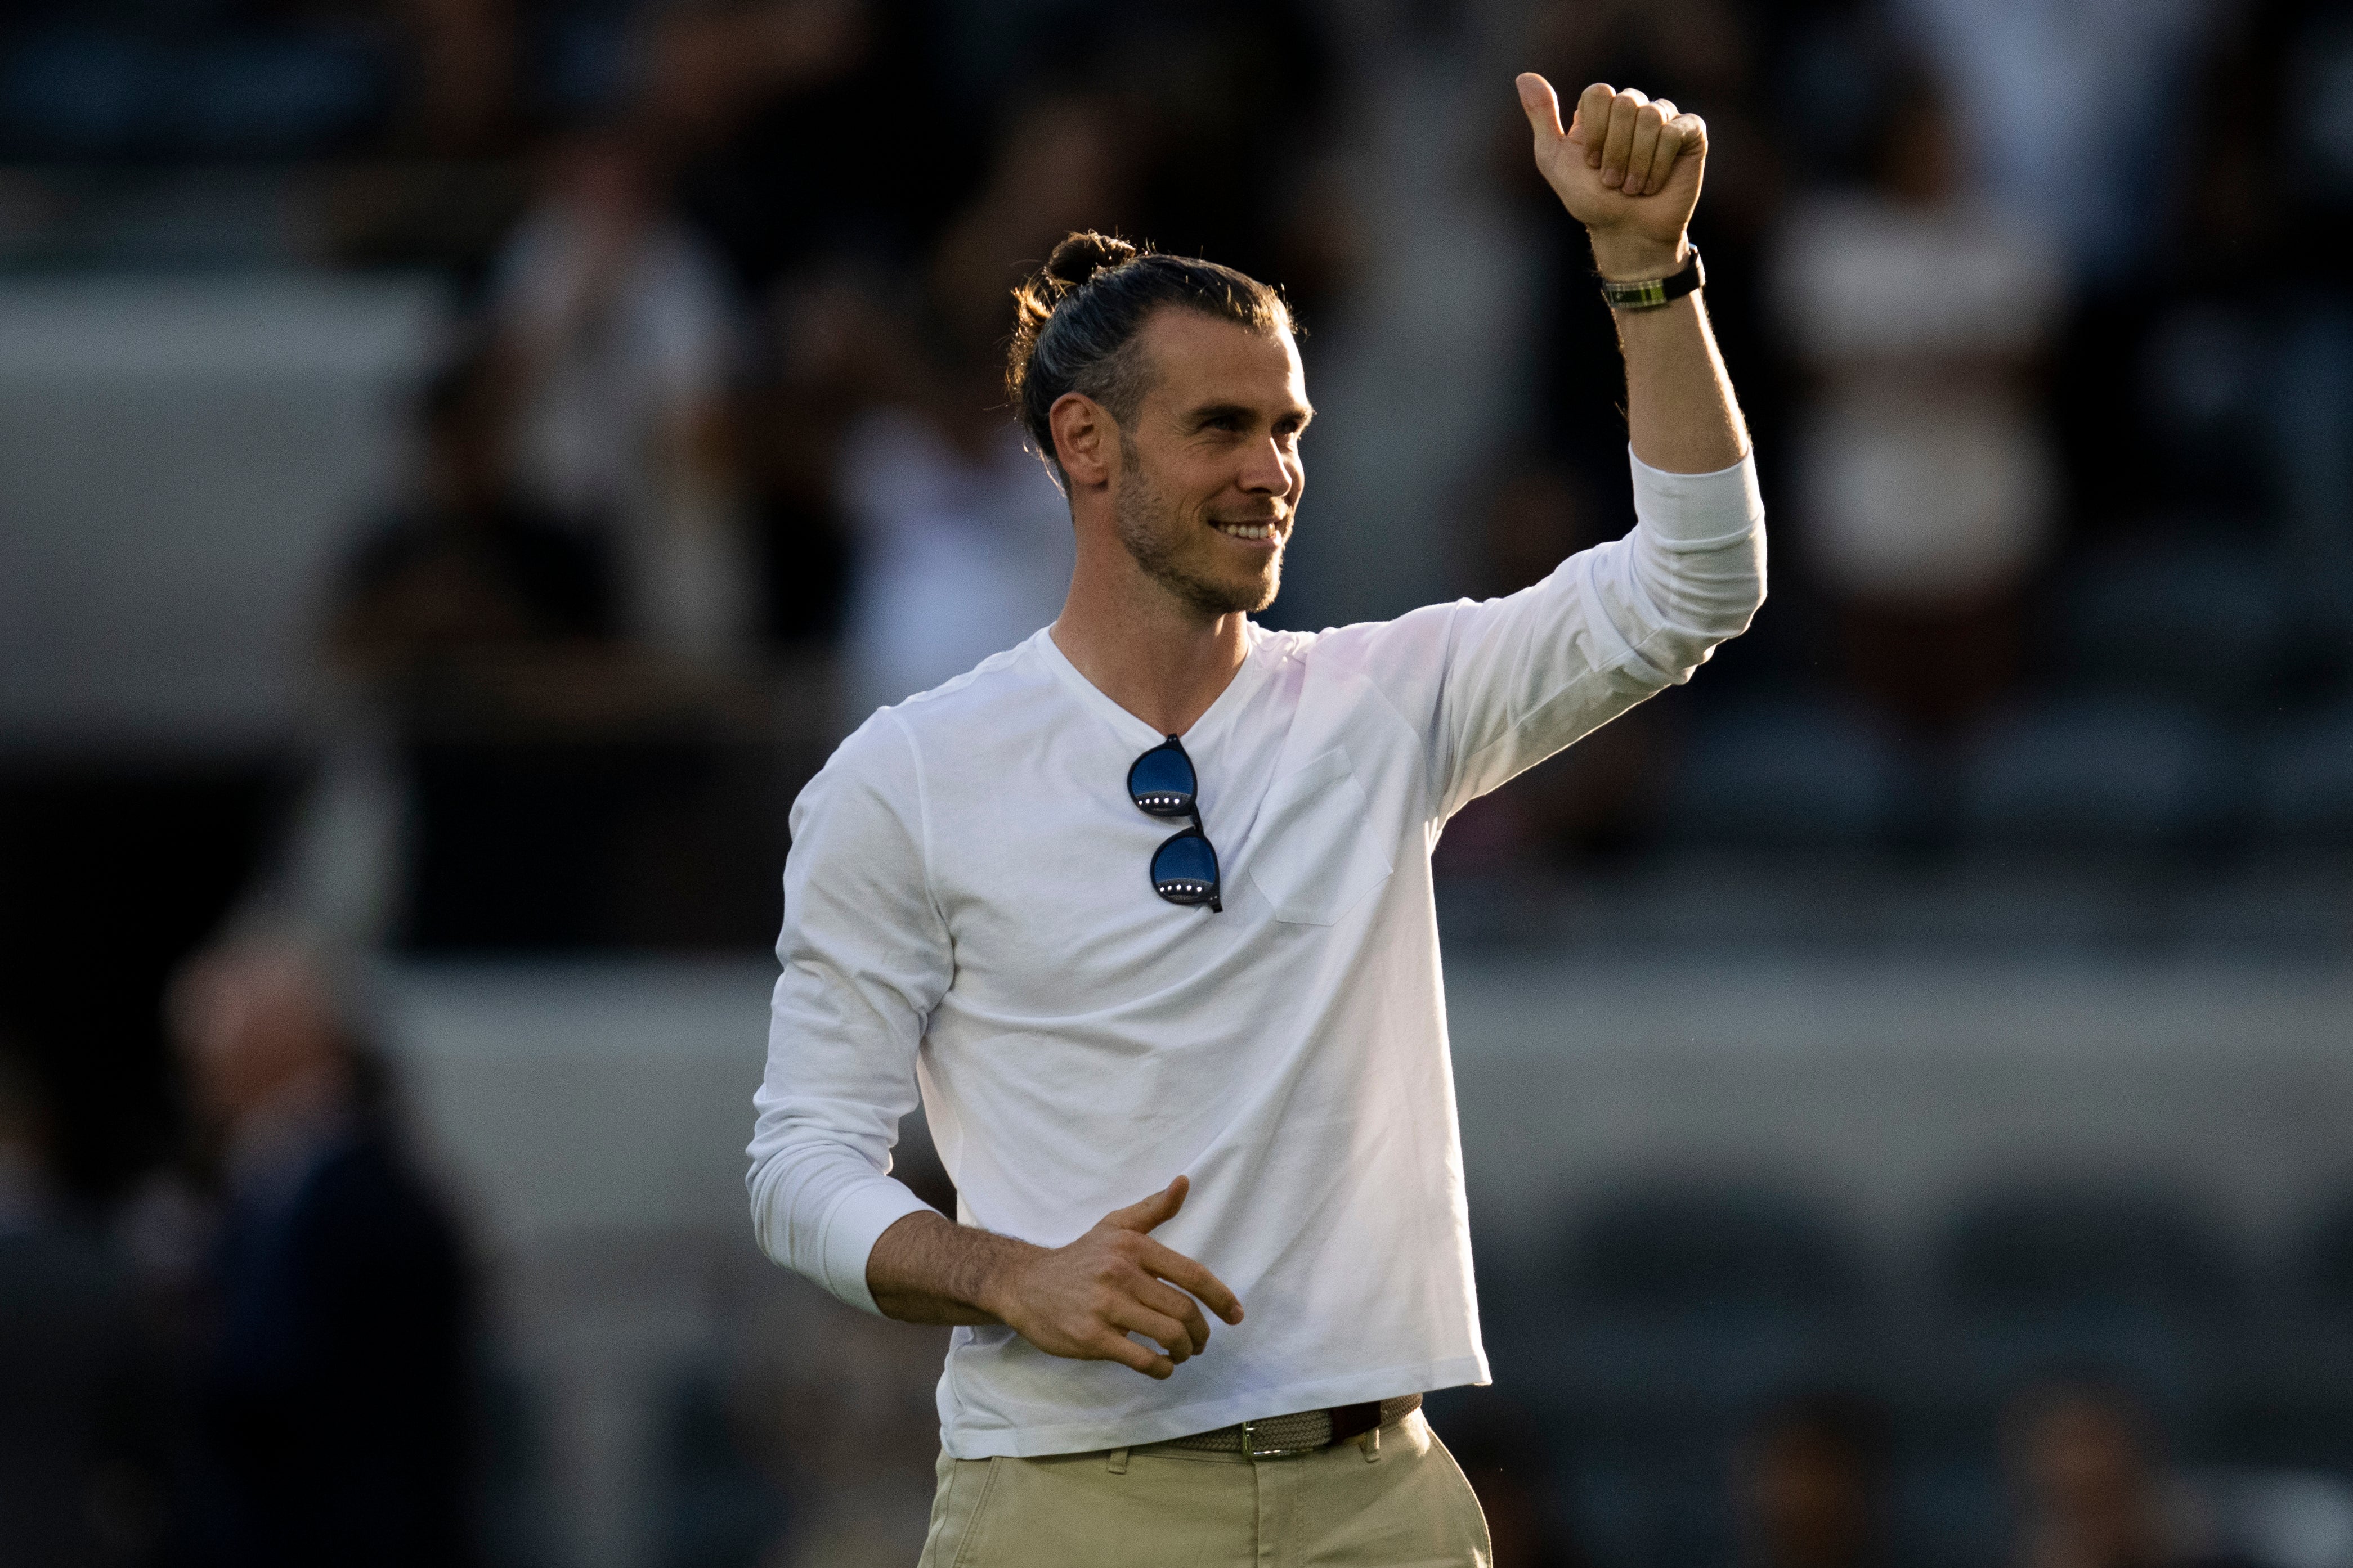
point(464, 462)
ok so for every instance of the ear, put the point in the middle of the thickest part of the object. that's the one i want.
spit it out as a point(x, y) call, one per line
point(1085, 437)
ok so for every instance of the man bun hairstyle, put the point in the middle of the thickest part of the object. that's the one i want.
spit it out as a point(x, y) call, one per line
point(1076, 320)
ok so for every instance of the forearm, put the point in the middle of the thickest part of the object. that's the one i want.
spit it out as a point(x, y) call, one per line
point(1628, 169)
point(1680, 412)
point(1693, 573)
point(926, 1269)
point(1087, 1301)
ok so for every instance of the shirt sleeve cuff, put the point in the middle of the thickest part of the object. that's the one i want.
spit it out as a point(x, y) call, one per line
point(856, 1223)
point(1698, 508)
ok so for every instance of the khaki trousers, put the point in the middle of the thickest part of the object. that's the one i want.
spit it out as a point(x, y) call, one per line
point(1391, 1498)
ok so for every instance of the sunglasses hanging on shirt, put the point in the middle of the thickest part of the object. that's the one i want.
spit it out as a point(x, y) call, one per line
point(1185, 867)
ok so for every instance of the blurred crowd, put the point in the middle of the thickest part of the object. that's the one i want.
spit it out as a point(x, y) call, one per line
point(2053, 449)
point(718, 457)
point(278, 1349)
point(2041, 315)
point(266, 1354)
point(2037, 311)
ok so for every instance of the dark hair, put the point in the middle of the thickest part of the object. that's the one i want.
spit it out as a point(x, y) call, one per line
point(1075, 323)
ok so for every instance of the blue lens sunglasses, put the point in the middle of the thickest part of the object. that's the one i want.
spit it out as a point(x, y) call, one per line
point(1185, 867)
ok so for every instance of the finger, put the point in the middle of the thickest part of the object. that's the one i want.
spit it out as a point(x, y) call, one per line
point(1158, 1209)
point(1682, 139)
point(1541, 104)
point(1663, 158)
point(1180, 1270)
point(1158, 1327)
point(1172, 1302)
point(1693, 131)
point(1118, 1347)
point(1621, 138)
point(1645, 144)
point(1592, 124)
point(1662, 153)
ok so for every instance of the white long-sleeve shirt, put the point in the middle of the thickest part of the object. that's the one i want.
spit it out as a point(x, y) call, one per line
point(967, 914)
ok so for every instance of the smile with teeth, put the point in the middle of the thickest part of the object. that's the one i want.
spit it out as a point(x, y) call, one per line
point(1244, 529)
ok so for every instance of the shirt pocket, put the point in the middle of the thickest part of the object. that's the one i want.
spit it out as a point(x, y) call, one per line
point(1315, 855)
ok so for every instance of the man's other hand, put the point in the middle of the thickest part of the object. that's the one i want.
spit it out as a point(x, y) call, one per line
point(1627, 167)
point(1083, 1301)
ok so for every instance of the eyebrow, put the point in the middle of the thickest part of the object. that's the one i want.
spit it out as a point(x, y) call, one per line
point(1209, 411)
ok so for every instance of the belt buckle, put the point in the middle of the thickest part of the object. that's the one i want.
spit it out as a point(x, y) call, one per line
point(1257, 1448)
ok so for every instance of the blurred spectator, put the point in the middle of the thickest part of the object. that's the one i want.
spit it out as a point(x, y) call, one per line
point(334, 1403)
point(446, 180)
point(738, 94)
point(620, 329)
point(461, 90)
point(1066, 162)
point(1225, 103)
point(2093, 1490)
point(469, 609)
point(474, 613)
point(1926, 490)
point(2074, 112)
point(472, 569)
point(552, 783)
point(82, 1395)
point(965, 543)
point(813, 383)
point(1812, 1481)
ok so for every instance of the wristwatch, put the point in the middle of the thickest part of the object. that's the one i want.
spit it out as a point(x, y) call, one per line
point(1650, 293)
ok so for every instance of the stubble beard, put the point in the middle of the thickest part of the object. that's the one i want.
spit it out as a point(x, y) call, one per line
point(1155, 534)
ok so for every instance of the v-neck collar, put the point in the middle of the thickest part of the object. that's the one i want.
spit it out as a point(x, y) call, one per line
point(1213, 722)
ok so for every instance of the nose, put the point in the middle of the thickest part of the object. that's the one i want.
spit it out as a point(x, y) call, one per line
point(1268, 469)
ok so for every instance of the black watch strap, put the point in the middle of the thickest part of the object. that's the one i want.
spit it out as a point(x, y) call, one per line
point(1650, 293)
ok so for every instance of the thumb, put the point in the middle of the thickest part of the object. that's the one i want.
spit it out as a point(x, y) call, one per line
point(1540, 104)
point(1157, 1210)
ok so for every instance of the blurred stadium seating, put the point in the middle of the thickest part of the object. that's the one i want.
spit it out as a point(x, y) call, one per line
point(1929, 1000)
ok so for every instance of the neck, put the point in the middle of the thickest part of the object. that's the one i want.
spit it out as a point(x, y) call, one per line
point(1160, 658)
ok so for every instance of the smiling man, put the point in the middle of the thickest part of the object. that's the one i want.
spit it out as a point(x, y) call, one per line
point(1141, 909)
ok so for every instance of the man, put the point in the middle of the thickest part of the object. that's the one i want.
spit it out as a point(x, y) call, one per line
point(1230, 1036)
point(333, 1411)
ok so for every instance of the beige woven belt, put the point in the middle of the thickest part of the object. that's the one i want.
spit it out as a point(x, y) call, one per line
point(1302, 1433)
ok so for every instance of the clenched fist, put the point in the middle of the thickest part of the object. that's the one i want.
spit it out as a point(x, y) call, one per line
point(1627, 167)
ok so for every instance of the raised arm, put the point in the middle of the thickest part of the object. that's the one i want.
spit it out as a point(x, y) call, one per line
point(1628, 169)
point(1496, 688)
